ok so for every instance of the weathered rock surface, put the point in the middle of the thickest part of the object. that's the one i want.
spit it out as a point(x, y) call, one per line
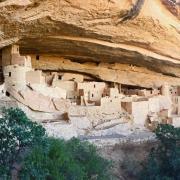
point(143, 33)
point(113, 72)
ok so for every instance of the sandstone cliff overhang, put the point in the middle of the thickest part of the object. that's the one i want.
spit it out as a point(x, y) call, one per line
point(144, 33)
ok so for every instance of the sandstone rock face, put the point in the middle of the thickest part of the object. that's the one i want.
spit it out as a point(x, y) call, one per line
point(113, 72)
point(143, 33)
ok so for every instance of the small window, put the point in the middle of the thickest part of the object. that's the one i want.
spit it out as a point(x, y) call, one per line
point(94, 86)
point(7, 94)
point(92, 95)
point(9, 74)
point(37, 57)
point(73, 79)
point(60, 77)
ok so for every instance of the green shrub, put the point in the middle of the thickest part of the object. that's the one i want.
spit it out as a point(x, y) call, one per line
point(17, 133)
point(164, 160)
point(24, 143)
point(60, 160)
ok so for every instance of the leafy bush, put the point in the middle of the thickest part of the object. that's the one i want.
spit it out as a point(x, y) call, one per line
point(164, 160)
point(71, 160)
point(24, 143)
point(17, 133)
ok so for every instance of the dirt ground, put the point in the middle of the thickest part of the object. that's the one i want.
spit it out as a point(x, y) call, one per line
point(127, 158)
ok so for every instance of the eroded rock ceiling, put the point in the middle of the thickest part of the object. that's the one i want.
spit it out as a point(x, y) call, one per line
point(143, 33)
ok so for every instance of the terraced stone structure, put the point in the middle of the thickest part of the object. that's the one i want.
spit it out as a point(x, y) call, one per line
point(99, 63)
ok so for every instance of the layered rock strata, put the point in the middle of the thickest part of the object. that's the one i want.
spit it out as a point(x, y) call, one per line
point(137, 32)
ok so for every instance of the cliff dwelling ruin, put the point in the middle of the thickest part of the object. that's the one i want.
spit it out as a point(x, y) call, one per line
point(81, 98)
point(92, 64)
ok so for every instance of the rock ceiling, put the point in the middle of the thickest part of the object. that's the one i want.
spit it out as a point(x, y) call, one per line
point(143, 33)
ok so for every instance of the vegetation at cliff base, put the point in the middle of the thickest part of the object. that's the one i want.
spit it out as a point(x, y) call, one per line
point(164, 160)
point(71, 160)
point(27, 152)
point(17, 135)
